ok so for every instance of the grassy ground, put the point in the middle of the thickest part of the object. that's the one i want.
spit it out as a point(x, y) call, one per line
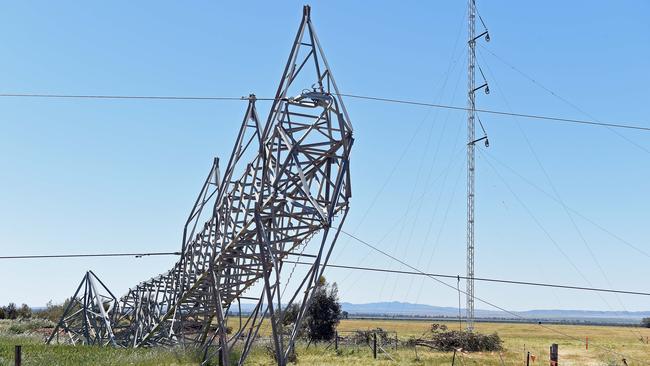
point(518, 339)
point(36, 352)
point(607, 345)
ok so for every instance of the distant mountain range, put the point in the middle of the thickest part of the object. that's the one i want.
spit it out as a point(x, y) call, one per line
point(405, 309)
point(410, 310)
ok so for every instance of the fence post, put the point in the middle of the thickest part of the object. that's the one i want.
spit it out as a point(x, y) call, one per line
point(336, 341)
point(18, 355)
point(528, 359)
point(501, 359)
point(374, 345)
point(554, 354)
point(396, 341)
point(453, 358)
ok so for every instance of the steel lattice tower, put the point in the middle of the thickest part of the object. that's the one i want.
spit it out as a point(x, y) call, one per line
point(284, 192)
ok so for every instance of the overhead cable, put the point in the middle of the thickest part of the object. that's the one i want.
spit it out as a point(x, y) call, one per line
point(52, 256)
point(631, 126)
point(484, 279)
point(489, 303)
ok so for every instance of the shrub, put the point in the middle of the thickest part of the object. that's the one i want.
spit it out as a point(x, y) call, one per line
point(366, 336)
point(27, 326)
point(52, 312)
point(442, 339)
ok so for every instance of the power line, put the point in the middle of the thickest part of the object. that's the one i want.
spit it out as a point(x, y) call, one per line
point(561, 98)
point(484, 279)
point(488, 302)
point(158, 97)
point(360, 268)
point(501, 113)
point(537, 187)
point(630, 126)
point(52, 256)
point(414, 272)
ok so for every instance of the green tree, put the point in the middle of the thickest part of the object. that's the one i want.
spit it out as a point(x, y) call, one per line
point(11, 312)
point(25, 312)
point(324, 312)
point(290, 314)
point(3, 313)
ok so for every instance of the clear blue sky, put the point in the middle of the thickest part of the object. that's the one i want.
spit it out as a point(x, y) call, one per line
point(111, 176)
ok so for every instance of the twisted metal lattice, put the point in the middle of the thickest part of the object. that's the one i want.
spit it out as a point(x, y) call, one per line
point(284, 184)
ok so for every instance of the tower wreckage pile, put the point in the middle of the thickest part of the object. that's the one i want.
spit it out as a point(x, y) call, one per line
point(284, 184)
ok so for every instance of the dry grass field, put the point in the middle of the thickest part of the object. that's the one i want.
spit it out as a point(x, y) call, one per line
point(607, 346)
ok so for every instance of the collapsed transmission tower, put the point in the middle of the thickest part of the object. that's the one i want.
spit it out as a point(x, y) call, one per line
point(284, 185)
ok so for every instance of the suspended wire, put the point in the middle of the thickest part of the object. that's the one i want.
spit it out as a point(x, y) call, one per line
point(623, 125)
point(532, 184)
point(606, 349)
point(557, 194)
point(481, 124)
point(483, 279)
point(483, 76)
point(479, 16)
point(538, 222)
point(398, 221)
point(451, 66)
point(154, 97)
point(460, 318)
point(501, 113)
point(555, 191)
point(51, 256)
point(443, 223)
point(559, 200)
point(428, 182)
point(360, 268)
point(561, 98)
point(386, 181)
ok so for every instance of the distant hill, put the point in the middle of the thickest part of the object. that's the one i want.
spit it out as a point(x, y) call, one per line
point(405, 309)
point(396, 308)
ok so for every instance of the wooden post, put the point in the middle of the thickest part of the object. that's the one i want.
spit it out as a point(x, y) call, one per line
point(554, 354)
point(528, 359)
point(18, 355)
point(374, 345)
point(396, 341)
point(587, 343)
point(336, 341)
point(453, 358)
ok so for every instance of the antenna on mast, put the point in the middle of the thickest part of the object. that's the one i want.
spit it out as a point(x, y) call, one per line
point(471, 141)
